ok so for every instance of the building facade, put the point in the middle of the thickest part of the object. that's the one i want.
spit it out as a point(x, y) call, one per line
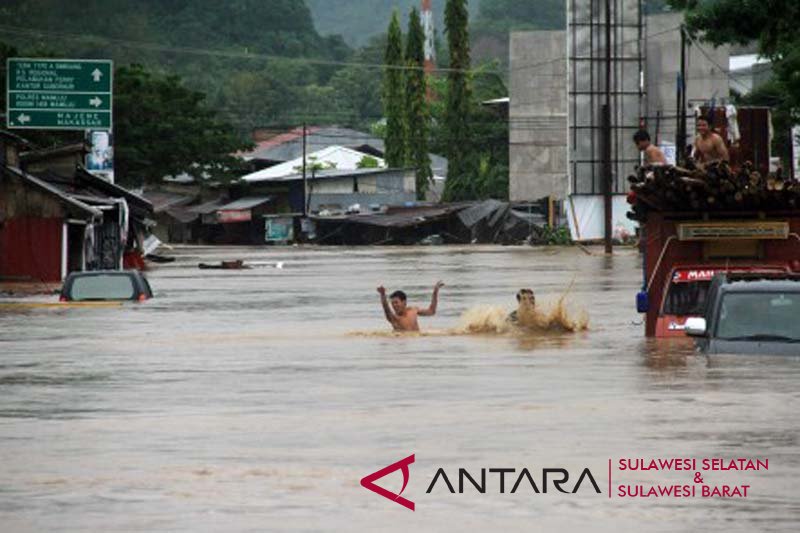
point(557, 82)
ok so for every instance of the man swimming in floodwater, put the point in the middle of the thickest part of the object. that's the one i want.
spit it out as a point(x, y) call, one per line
point(400, 315)
point(526, 302)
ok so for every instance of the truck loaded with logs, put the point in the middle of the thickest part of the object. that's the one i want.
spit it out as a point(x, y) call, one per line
point(697, 221)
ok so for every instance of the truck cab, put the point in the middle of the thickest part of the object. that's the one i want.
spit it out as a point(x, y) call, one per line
point(686, 294)
point(683, 251)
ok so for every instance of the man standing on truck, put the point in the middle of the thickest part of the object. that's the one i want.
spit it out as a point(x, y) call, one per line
point(401, 316)
point(708, 145)
point(652, 153)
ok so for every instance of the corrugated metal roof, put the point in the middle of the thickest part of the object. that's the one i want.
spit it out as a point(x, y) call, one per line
point(245, 203)
point(182, 214)
point(339, 173)
point(208, 207)
point(162, 200)
point(112, 189)
point(14, 138)
point(289, 145)
point(474, 214)
point(336, 157)
point(44, 153)
point(63, 196)
point(403, 217)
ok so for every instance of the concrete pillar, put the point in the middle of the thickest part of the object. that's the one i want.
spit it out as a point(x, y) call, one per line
point(538, 115)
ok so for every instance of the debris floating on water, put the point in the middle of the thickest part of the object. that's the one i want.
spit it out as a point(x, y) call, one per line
point(238, 264)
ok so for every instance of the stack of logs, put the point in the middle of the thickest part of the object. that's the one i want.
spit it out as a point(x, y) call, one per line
point(715, 187)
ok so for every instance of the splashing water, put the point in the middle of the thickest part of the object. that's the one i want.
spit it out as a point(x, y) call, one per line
point(494, 320)
point(484, 320)
point(555, 318)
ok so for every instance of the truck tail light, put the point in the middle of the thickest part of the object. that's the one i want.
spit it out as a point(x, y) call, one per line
point(62, 298)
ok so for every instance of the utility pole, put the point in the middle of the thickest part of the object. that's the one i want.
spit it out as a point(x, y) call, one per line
point(680, 130)
point(794, 162)
point(305, 184)
point(608, 175)
point(430, 46)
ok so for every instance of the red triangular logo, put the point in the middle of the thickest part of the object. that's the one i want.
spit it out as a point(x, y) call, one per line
point(368, 481)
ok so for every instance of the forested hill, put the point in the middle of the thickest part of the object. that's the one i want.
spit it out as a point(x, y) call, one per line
point(282, 27)
point(259, 62)
point(229, 50)
point(358, 20)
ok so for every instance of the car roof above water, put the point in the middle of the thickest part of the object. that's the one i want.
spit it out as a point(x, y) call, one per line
point(107, 273)
point(760, 284)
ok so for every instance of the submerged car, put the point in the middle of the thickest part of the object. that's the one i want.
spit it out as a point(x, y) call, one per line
point(750, 314)
point(106, 285)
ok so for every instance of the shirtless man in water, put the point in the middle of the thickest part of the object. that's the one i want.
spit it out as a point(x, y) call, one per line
point(708, 145)
point(526, 303)
point(400, 315)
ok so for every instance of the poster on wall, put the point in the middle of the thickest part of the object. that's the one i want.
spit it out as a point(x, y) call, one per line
point(100, 159)
point(670, 153)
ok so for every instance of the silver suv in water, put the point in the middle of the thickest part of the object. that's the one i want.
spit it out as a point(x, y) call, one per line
point(106, 285)
point(750, 314)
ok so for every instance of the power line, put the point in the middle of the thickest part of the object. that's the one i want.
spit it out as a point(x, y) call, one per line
point(156, 47)
point(566, 58)
point(714, 62)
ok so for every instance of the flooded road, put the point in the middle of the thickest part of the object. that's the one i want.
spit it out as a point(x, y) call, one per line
point(256, 400)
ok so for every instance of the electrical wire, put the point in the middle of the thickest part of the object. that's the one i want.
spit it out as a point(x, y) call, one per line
point(244, 113)
point(156, 47)
point(715, 63)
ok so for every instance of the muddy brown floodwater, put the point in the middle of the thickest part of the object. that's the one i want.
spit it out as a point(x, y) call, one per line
point(256, 400)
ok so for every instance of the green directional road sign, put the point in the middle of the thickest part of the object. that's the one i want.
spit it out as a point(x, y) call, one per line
point(59, 94)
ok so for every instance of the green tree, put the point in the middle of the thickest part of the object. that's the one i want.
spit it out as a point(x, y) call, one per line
point(457, 105)
point(771, 23)
point(368, 162)
point(163, 128)
point(393, 97)
point(502, 16)
point(252, 99)
point(489, 130)
point(358, 88)
point(416, 105)
point(489, 126)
